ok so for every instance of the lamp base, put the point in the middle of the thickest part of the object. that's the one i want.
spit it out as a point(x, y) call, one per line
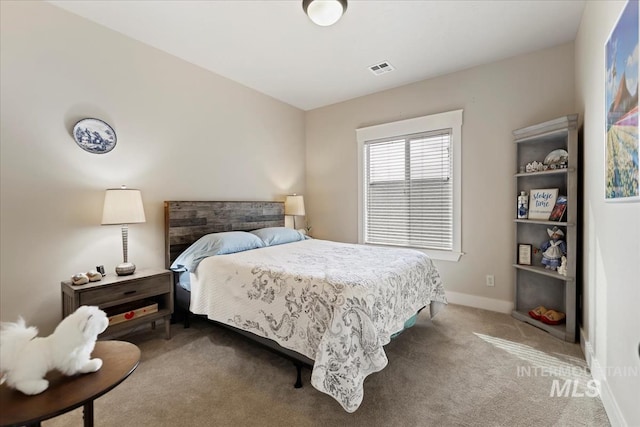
point(125, 269)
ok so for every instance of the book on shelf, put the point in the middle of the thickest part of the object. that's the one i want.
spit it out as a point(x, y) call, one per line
point(559, 209)
point(541, 202)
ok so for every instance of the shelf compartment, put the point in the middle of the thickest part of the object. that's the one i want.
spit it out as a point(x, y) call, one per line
point(544, 271)
point(558, 331)
point(547, 172)
point(131, 311)
point(119, 328)
point(543, 181)
point(544, 222)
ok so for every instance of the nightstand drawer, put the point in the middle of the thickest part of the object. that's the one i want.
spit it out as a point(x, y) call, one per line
point(115, 294)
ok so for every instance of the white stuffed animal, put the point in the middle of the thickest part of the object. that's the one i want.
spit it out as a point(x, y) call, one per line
point(25, 358)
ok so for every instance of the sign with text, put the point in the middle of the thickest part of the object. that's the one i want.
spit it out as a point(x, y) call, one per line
point(541, 203)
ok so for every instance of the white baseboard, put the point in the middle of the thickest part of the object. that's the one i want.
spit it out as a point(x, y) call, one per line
point(583, 347)
point(485, 303)
point(608, 401)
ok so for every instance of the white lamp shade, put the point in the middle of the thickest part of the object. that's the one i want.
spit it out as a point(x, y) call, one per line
point(324, 12)
point(122, 206)
point(294, 205)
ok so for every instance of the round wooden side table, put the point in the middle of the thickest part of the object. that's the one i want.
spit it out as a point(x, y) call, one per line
point(119, 360)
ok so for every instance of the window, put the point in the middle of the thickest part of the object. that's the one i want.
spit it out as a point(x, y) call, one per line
point(409, 184)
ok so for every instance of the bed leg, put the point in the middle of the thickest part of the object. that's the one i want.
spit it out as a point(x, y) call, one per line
point(187, 322)
point(298, 383)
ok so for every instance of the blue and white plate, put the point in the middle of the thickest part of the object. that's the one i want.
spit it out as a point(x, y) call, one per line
point(94, 136)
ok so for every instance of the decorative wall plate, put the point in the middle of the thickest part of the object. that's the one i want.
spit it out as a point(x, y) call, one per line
point(94, 136)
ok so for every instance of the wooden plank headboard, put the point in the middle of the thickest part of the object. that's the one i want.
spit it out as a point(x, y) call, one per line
point(186, 222)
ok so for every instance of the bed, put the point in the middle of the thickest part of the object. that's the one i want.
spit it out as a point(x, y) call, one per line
point(328, 305)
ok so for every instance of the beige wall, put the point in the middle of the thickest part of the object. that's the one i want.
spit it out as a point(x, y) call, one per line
point(611, 270)
point(183, 133)
point(497, 98)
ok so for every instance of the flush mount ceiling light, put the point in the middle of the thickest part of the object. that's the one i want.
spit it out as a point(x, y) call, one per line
point(324, 12)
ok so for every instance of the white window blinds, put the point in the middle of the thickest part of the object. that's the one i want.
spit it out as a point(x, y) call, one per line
point(408, 191)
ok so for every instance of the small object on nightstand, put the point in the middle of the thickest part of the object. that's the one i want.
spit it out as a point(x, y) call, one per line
point(79, 279)
point(100, 269)
point(94, 276)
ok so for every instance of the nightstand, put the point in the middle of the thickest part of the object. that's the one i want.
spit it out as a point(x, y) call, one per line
point(121, 295)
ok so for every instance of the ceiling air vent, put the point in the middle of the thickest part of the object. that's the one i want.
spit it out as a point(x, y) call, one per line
point(381, 68)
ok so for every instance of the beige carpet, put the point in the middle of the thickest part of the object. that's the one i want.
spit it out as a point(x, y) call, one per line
point(467, 367)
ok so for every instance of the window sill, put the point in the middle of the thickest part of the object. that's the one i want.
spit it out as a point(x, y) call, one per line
point(442, 255)
point(432, 253)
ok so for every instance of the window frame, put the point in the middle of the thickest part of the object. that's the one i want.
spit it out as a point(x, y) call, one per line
point(434, 122)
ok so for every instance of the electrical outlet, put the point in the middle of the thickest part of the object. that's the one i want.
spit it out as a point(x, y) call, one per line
point(490, 280)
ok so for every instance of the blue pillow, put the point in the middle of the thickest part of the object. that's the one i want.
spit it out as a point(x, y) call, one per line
point(272, 236)
point(227, 242)
point(184, 279)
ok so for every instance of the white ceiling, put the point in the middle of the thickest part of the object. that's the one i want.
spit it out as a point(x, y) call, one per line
point(272, 47)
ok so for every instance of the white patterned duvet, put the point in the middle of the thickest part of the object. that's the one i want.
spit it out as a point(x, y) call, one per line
point(335, 303)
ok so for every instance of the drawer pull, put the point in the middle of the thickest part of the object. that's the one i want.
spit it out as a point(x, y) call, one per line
point(130, 292)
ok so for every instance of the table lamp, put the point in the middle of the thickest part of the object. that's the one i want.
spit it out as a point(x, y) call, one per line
point(123, 206)
point(294, 206)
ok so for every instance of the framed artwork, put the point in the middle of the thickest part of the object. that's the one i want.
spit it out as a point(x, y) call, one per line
point(94, 136)
point(524, 254)
point(621, 108)
point(541, 203)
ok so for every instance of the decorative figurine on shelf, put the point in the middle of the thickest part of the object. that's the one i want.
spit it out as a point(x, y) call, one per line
point(523, 205)
point(553, 250)
point(563, 266)
point(535, 166)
